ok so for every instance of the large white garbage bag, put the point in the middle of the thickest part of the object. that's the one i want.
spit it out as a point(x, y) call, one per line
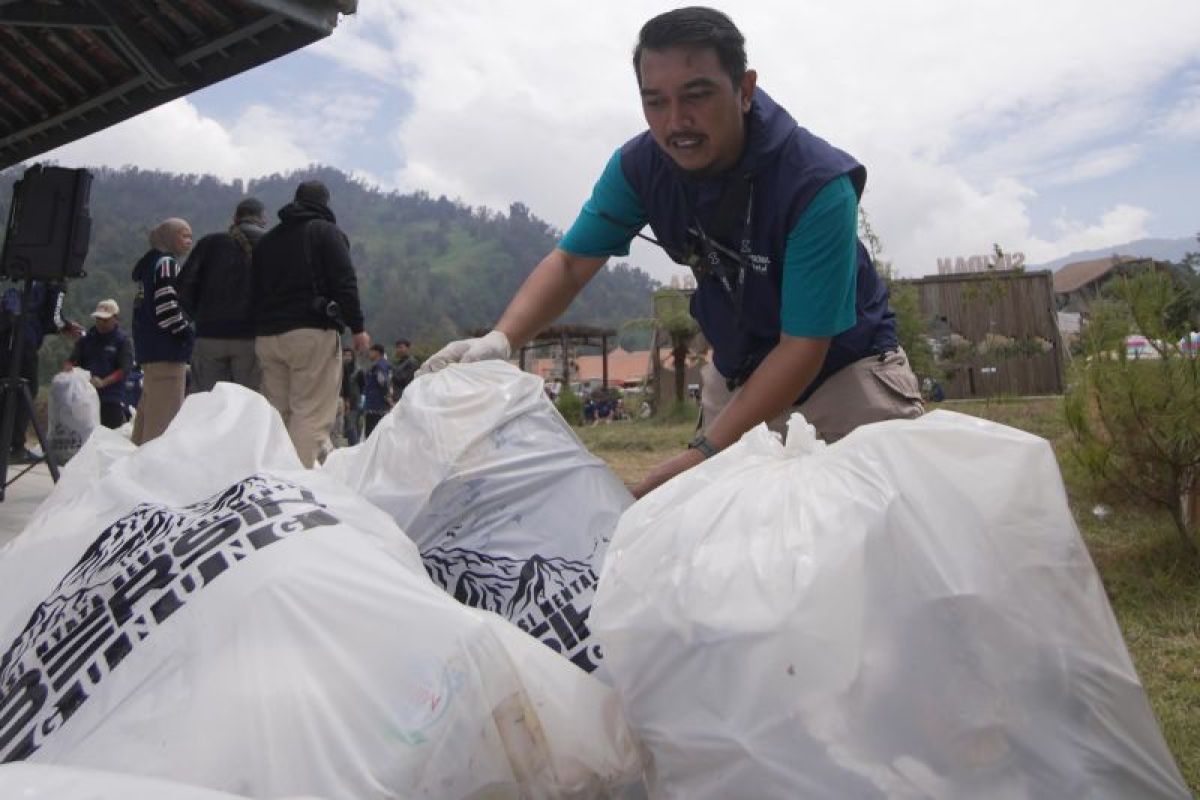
point(204, 610)
point(46, 782)
point(910, 613)
point(73, 412)
point(510, 511)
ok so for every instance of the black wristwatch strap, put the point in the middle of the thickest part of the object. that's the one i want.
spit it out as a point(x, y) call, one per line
point(702, 444)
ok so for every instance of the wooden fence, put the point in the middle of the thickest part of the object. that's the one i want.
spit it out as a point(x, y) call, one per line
point(995, 333)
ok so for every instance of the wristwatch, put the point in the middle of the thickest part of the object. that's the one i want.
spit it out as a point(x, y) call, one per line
point(702, 444)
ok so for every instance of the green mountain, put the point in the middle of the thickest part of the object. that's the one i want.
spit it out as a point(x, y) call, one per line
point(428, 268)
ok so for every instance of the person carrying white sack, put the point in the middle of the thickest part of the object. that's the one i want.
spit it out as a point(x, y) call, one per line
point(765, 215)
point(107, 353)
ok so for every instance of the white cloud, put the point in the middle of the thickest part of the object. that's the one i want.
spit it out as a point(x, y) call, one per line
point(1182, 120)
point(1123, 223)
point(262, 140)
point(1094, 164)
point(963, 112)
point(960, 110)
point(366, 42)
point(177, 138)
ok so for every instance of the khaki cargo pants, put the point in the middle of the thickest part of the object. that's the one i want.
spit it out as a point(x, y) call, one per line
point(301, 374)
point(163, 386)
point(871, 389)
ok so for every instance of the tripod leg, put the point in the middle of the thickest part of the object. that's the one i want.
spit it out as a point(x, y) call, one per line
point(7, 420)
point(3, 472)
point(37, 429)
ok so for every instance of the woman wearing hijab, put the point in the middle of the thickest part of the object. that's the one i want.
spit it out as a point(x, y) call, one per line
point(162, 332)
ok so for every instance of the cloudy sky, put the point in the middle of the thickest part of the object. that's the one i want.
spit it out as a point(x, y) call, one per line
point(1047, 126)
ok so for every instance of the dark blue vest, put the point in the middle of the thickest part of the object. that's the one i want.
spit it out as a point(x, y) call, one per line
point(150, 342)
point(375, 389)
point(787, 166)
point(100, 354)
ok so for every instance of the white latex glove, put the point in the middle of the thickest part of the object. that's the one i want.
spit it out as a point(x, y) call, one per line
point(465, 351)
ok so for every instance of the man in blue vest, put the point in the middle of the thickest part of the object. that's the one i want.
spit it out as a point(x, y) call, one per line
point(377, 385)
point(106, 352)
point(765, 214)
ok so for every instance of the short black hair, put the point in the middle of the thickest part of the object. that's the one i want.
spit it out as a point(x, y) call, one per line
point(697, 27)
point(249, 208)
point(313, 192)
point(404, 342)
point(377, 347)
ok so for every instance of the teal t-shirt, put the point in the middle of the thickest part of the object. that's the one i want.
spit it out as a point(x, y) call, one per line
point(820, 264)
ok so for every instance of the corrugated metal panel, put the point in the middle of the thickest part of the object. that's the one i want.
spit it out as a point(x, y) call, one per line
point(69, 68)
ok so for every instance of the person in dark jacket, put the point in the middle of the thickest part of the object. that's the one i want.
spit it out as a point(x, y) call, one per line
point(351, 399)
point(214, 287)
point(106, 352)
point(43, 315)
point(404, 368)
point(304, 292)
point(162, 331)
point(765, 214)
point(377, 384)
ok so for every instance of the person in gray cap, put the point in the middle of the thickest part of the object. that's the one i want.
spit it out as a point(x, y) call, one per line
point(215, 291)
point(305, 293)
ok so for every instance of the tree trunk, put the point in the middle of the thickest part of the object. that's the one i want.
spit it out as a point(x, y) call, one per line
point(1182, 487)
point(1181, 526)
point(679, 351)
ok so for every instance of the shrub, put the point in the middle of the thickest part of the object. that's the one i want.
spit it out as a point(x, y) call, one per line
point(677, 412)
point(570, 406)
point(1136, 422)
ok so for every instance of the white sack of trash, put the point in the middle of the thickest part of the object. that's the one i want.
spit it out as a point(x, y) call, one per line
point(910, 613)
point(49, 782)
point(204, 610)
point(72, 413)
point(510, 511)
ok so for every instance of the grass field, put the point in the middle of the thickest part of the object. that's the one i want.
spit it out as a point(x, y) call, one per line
point(1152, 584)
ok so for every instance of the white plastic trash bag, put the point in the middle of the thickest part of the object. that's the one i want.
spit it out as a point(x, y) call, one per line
point(910, 613)
point(510, 511)
point(45, 782)
point(73, 412)
point(204, 610)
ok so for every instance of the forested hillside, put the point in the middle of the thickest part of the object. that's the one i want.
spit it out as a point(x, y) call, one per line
point(428, 268)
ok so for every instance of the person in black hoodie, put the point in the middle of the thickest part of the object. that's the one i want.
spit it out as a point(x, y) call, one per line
point(304, 291)
point(162, 331)
point(404, 369)
point(214, 287)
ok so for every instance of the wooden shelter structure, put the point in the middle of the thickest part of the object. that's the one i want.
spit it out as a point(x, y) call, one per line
point(69, 68)
point(994, 332)
point(565, 337)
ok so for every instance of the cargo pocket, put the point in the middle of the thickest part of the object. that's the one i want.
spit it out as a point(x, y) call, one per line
point(899, 385)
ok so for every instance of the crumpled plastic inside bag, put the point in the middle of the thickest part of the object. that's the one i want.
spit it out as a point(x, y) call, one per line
point(511, 513)
point(909, 613)
point(204, 610)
